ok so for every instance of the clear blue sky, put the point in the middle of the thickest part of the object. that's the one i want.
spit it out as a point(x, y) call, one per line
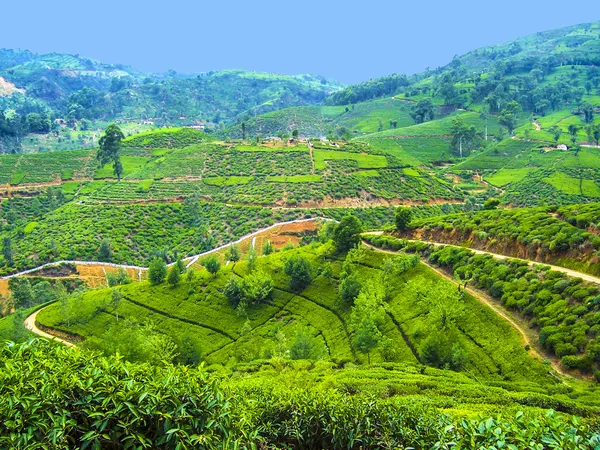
point(349, 41)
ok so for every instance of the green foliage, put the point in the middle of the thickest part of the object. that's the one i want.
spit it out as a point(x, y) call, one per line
point(174, 276)
point(305, 346)
point(212, 264)
point(349, 289)
point(402, 218)
point(117, 278)
point(346, 234)
point(105, 251)
point(257, 287)
point(157, 271)
point(233, 253)
point(299, 270)
point(110, 144)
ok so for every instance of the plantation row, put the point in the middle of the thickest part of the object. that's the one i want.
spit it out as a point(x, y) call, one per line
point(530, 233)
point(421, 318)
point(566, 311)
point(47, 167)
point(400, 184)
point(134, 232)
point(177, 407)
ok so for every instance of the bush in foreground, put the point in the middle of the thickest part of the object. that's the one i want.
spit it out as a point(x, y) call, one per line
point(56, 397)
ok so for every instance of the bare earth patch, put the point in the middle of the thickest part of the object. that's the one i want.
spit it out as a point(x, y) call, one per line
point(7, 89)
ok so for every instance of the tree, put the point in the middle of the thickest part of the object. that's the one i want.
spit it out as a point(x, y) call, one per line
point(251, 258)
point(491, 203)
point(304, 346)
point(117, 278)
point(267, 248)
point(115, 300)
point(402, 218)
point(299, 270)
point(485, 115)
point(105, 251)
point(244, 130)
point(64, 301)
point(448, 91)
point(295, 135)
point(349, 289)
point(464, 137)
point(157, 271)
point(367, 317)
point(257, 286)
point(423, 111)
point(212, 264)
point(588, 112)
point(234, 291)
point(596, 134)
point(346, 234)
point(174, 275)
point(508, 116)
point(110, 144)
point(367, 337)
point(573, 130)
point(22, 293)
point(556, 133)
point(7, 251)
point(233, 253)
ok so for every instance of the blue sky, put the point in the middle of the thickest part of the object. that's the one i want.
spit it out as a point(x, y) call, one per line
point(348, 41)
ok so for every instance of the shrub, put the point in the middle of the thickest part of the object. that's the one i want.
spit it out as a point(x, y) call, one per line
point(346, 234)
point(212, 264)
point(299, 270)
point(157, 271)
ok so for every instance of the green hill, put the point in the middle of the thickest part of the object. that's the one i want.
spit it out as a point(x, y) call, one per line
point(414, 299)
point(35, 90)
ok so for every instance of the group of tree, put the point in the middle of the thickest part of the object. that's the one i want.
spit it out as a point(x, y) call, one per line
point(379, 87)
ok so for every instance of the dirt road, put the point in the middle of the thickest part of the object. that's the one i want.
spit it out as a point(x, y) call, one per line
point(527, 336)
point(31, 326)
point(570, 272)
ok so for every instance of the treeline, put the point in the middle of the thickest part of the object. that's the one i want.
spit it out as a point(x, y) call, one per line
point(378, 87)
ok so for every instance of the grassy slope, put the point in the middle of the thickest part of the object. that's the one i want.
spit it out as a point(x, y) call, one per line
point(316, 307)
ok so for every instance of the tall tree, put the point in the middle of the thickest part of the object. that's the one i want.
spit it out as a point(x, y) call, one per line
point(423, 111)
point(110, 144)
point(508, 116)
point(573, 130)
point(115, 299)
point(346, 234)
point(464, 138)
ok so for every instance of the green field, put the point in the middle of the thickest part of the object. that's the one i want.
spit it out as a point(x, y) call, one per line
point(363, 161)
point(571, 185)
point(503, 177)
point(317, 308)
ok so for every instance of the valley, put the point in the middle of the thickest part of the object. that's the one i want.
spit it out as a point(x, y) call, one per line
point(238, 259)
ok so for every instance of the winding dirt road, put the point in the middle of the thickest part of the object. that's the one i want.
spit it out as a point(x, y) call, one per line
point(569, 272)
point(31, 326)
point(527, 336)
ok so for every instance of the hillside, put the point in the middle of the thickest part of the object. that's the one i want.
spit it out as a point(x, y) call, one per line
point(84, 95)
point(247, 260)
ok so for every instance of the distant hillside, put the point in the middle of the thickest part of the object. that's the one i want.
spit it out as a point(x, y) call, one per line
point(523, 68)
point(38, 89)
